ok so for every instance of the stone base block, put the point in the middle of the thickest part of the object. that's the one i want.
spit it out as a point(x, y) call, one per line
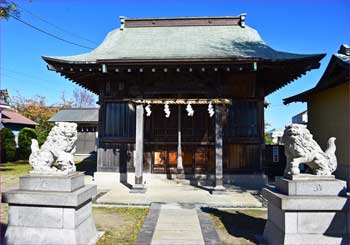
point(138, 188)
point(43, 216)
point(219, 190)
point(45, 182)
point(306, 203)
point(307, 219)
point(84, 233)
point(310, 177)
point(50, 198)
point(273, 235)
point(311, 187)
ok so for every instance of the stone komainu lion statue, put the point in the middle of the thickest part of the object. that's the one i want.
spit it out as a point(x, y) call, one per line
point(56, 154)
point(300, 147)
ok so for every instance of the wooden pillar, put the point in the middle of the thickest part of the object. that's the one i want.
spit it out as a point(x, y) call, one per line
point(219, 183)
point(180, 168)
point(138, 187)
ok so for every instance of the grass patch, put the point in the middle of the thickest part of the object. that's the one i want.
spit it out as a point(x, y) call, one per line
point(121, 225)
point(11, 171)
point(238, 226)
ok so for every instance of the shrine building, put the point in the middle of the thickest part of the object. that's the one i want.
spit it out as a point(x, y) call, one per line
point(183, 96)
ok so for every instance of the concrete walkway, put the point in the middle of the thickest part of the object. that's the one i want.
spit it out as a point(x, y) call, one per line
point(177, 224)
point(169, 191)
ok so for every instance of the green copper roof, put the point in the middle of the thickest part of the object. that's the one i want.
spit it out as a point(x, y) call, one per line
point(181, 42)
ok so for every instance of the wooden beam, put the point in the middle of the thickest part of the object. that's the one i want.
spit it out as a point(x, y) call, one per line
point(181, 101)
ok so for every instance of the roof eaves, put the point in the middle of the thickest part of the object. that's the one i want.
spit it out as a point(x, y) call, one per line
point(54, 59)
point(234, 59)
point(302, 97)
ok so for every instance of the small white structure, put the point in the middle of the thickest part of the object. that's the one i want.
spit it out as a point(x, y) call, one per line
point(276, 136)
point(300, 118)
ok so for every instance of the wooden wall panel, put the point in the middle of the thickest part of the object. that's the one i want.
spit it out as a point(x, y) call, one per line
point(86, 143)
point(240, 157)
point(114, 157)
point(119, 120)
point(243, 120)
point(239, 85)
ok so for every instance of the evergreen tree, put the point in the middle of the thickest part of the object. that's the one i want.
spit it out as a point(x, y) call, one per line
point(8, 145)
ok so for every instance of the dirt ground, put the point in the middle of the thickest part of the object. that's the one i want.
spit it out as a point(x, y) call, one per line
point(121, 225)
point(239, 226)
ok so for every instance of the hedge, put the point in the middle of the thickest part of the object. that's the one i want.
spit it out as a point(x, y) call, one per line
point(8, 145)
point(25, 137)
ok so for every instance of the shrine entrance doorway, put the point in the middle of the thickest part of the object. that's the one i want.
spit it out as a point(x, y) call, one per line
point(197, 143)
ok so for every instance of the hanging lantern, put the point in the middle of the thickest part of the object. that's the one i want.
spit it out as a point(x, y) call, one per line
point(211, 110)
point(148, 110)
point(167, 110)
point(189, 110)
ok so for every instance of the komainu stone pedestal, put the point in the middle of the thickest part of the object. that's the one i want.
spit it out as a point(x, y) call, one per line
point(51, 209)
point(308, 210)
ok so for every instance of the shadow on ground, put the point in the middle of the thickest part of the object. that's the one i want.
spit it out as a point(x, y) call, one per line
point(4, 169)
point(2, 231)
point(239, 224)
point(88, 165)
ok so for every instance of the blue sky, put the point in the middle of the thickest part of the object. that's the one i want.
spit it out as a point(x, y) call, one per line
point(293, 26)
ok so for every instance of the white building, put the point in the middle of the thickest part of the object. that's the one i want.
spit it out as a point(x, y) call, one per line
point(300, 118)
point(276, 135)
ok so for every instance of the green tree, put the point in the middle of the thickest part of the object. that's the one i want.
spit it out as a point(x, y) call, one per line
point(25, 137)
point(38, 110)
point(268, 140)
point(41, 134)
point(8, 8)
point(8, 145)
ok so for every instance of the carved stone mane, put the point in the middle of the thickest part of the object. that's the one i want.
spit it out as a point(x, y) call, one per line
point(56, 154)
point(300, 147)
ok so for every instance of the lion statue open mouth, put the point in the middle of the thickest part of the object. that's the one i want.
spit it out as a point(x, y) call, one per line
point(300, 147)
point(56, 154)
